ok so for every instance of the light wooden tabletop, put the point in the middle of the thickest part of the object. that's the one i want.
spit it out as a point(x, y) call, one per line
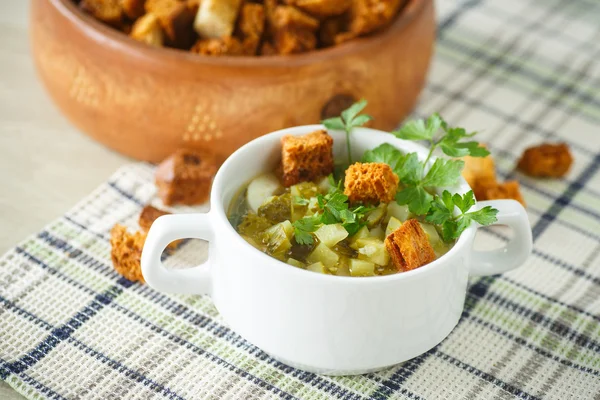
point(46, 165)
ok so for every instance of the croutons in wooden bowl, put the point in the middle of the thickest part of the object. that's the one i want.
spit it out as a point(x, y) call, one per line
point(146, 102)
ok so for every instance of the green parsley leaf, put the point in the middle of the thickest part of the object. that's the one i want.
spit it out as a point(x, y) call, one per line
point(412, 170)
point(417, 199)
point(361, 120)
point(388, 154)
point(420, 129)
point(349, 119)
point(454, 224)
point(444, 173)
point(303, 229)
point(486, 216)
point(351, 112)
point(335, 124)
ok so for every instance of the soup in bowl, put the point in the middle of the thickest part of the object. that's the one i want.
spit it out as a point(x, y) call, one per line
point(327, 322)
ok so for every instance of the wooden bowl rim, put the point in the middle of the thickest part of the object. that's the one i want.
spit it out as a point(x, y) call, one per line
point(107, 35)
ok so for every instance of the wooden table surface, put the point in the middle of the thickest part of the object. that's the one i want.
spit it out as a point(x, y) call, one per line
point(46, 165)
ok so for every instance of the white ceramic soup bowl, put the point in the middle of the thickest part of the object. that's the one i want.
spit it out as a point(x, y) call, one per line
point(323, 323)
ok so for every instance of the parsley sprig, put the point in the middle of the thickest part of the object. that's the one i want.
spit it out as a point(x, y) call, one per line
point(348, 120)
point(443, 172)
point(335, 210)
point(442, 213)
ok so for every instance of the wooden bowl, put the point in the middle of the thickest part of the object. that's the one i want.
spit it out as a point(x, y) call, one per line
point(146, 102)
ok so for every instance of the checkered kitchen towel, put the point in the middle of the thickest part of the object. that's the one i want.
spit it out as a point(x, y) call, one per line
point(524, 72)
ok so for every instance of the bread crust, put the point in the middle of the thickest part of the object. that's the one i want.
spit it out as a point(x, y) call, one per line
point(370, 183)
point(409, 247)
point(126, 252)
point(306, 158)
point(546, 160)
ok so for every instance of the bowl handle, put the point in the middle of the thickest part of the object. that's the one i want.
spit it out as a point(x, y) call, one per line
point(516, 251)
point(165, 230)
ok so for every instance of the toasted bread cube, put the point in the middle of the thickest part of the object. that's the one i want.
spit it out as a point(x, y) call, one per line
point(176, 19)
point(193, 5)
point(216, 18)
point(147, 29)
point(546, 160)
point(306, 158)
point(370, 183)
point(267, 49)
point(226, 46)
point(108, 11)
point(126, 252)
point(133, 9)
point(330, 29)
point(368, 16)
point(250, 27)
point(409, 247)
point(478, 169)
point(506, 190)
point(288, 17)
point(148, 215)
point(185, 177)
point(322, 8)
point(295, 41)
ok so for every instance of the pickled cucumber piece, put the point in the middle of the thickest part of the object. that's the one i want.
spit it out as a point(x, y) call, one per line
point(362, 233)
point(439, 246)
point(397, 211)
point(361, 268)
point(306, 190)
point(331, 235)
point(300, 251)
point(375, 216)
point(252, 225)
point(260, 189)
point(343, 267)
point(377, 232)
point(323, 254)
point(317, 267)
point(277, 208)
point(324, 184)
point(373, 250)
point(343, 248)
point(296, 263)
point(392, 225)
point(277, 239)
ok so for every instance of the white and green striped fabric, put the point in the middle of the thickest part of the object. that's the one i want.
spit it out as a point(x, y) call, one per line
point(521, 72)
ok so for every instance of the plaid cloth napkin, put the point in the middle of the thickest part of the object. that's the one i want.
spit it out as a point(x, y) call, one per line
point(523, 72)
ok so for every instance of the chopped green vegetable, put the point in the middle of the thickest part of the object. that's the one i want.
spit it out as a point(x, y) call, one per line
point(349, 119)
point(392, 225)
point(304, 227)
point(331, 235)
point(361, 268)
point(323, 254)
point(276, 208)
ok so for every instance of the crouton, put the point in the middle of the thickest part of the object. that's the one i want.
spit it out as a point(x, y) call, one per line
point(267, 49)
point(330, 29)
point(478, 168)
point(185, 177)
point(287, 17)
point(225, 46)
point(295, 41)
point(322, 8)
point(250, 26)
point(193, 5)
point(367, 16)
point(176, 19)
point(216, 18)
point(147, 29)
point(126, 252)
point(133, 9)
point(370, 183)
point(148, 215)
point(108, 11)
point(306, 158)
point(546, 160)
point(506, 190)
point(409, 247)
